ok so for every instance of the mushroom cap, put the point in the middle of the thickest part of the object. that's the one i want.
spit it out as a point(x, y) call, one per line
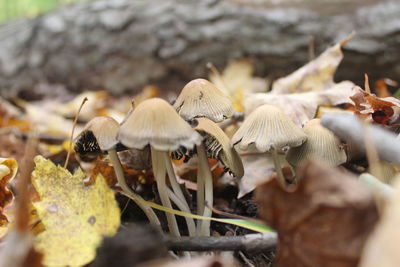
point(218, 146)
point(268, 128)
point(154, 122)
point(201, 98)
point(321, 144)
point(99, 134)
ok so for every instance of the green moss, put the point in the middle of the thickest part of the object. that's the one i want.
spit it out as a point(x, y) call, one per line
point(13, 9)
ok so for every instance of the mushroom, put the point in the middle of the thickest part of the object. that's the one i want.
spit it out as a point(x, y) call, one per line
point(268, 129)
point(321, 144)
point(100, 136)
point(216, 145)
point(154, 122)
point(201, 98)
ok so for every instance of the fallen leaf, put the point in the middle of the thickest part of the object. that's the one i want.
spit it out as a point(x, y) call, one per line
point(324, 222)
point(258, 168)
point(8, 170)
point(317, 75)
point(382, 247)
point(302, 107)
point(369, 106)
point(75, 216)
point(237, 80)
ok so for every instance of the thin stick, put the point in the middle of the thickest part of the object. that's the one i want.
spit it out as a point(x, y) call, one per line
point(72, 132)
point(22, 210)
point(372, 154)
point(311, 48)
point(366, 84)
point(250, 243)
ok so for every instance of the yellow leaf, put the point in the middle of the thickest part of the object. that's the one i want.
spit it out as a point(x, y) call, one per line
point(75, 216)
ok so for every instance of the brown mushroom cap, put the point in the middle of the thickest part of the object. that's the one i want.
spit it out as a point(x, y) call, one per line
point(201, 98)
point(218, 146)
point(268, 128)
point(99, 134)
point(321, 144)
point(154, 122)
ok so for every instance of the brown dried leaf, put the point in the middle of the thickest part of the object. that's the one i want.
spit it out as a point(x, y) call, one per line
point(8, 170)
point(367, 105)
point(324, 222)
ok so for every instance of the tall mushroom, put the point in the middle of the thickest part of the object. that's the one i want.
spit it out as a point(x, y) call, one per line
point(200, 98)
point(321, 144)
point(268, 129)
point(155, 123)
point(99, 136)
point(217, 145)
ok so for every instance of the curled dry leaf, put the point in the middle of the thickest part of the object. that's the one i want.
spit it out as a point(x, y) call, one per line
point(317, 75)
point(380, 110)
point(8, 170)
point(382, 248)
point(75, 216)
point(324, 222)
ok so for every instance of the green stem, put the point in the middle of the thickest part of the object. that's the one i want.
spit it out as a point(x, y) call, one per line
point(159, 171)
point(148, 211)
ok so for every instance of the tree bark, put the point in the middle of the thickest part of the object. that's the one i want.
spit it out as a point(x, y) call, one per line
point(121, 45)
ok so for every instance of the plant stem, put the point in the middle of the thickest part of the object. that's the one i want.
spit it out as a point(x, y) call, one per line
point(148, 211)
point(159, 170)
point(205, 175)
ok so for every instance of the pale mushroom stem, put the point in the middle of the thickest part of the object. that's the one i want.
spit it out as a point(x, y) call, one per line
point(278, 168)
point(159, 169)
point(200, 195)
point(189, 221)
point(148, 211)
point(180, 198)
point(205, 174)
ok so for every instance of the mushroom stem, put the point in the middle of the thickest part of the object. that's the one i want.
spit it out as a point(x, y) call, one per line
point(181, 200)
point(181, 205)
point(148, 211)
point(200, 194)
point(205, 174)
point(278, 168)
point(159, 169)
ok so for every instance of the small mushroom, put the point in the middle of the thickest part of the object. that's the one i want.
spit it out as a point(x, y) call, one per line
point(100, 136)
point(268, 129)
point(216, 144)
point(201, 98)
point(321, 144)
point(155, 123)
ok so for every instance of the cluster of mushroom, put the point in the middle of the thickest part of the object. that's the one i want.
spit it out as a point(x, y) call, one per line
point(166, 129)
point(269, 130)
point(188, 128)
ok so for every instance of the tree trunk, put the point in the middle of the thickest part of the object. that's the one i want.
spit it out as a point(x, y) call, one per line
point(121, 45)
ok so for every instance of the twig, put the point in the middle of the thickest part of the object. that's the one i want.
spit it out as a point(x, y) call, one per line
point(349, 128)
point(250, 242)
point(72, 132)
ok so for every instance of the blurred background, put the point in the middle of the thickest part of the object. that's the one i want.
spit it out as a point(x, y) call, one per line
point(122, 45)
